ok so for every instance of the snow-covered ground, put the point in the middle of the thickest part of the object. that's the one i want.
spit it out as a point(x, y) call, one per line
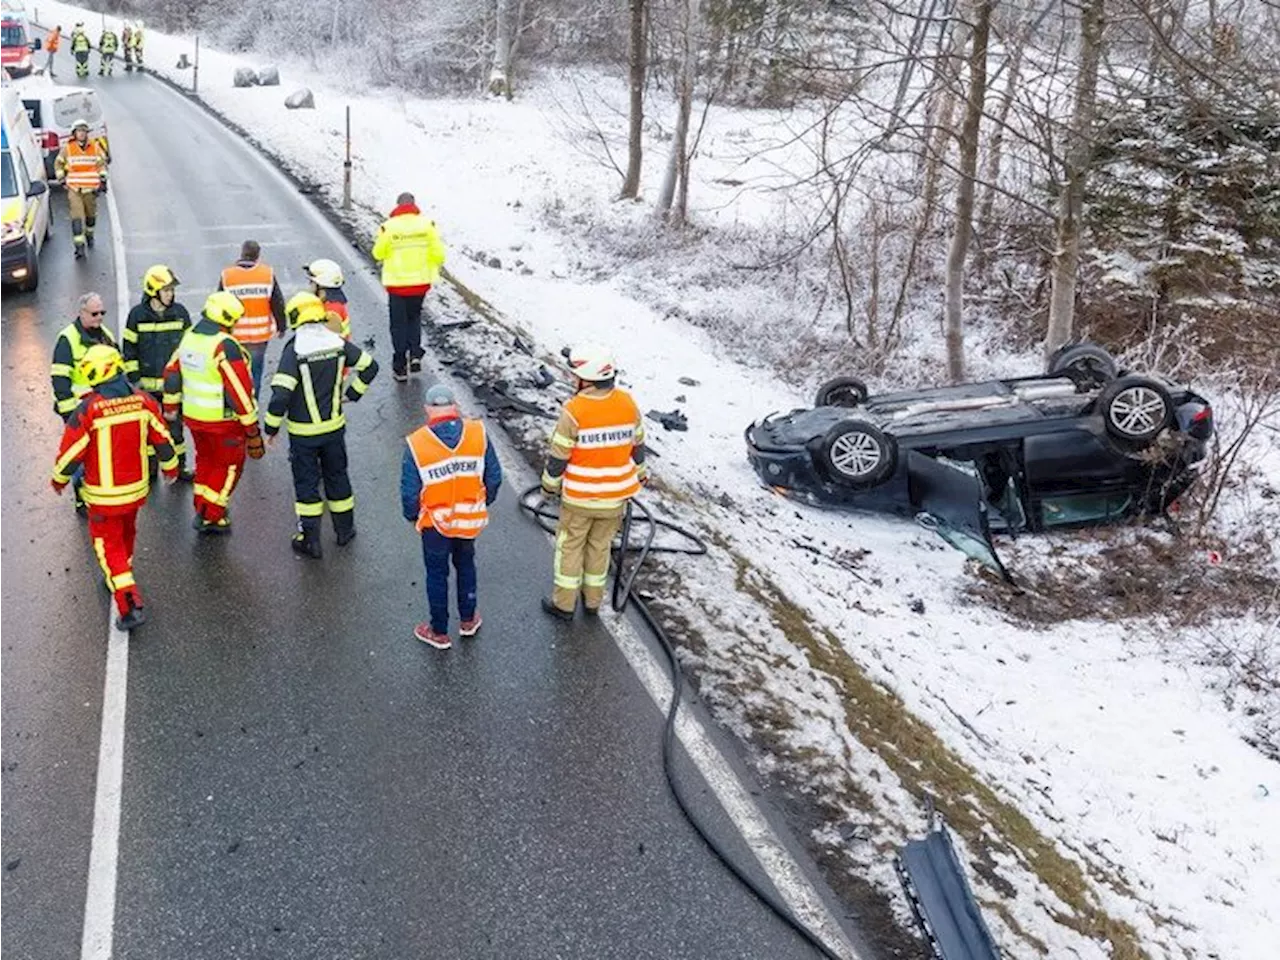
point(1120, 752)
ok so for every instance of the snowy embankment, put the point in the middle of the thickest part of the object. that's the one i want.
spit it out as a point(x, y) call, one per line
point(1103, 788)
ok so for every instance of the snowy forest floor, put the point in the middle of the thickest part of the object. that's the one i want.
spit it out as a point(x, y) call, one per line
point(1107, 760)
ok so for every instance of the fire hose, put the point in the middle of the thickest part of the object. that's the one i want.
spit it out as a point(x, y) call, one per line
point(623, 593)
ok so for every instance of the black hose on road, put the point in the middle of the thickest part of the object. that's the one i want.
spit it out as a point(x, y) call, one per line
point(623, 593)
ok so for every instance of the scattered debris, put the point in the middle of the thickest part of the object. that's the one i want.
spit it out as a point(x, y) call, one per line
point(689, 382)
point(540, 380)
point(522, 346)
point(183, 62)
point(681, 398)
point(670, 420)
point(916, 605)
point(496, 398)
point(495, 263)
point(302, 99)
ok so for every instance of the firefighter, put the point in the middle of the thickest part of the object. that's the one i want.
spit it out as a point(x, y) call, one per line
point(411, 254)
point(82, 165)
point(136, 38)
point(107, 45)
point(72, 343)
point(306, 396)
point(596, 465)
point(326, 283)
point(449, 476)
point(51, 44)
point(209, 384)
point(152, 332)
point(106, 437)
point(254, 284)
point(80, 47)
point(126, 44)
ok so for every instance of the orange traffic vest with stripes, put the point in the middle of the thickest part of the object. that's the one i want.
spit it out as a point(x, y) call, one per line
point(600, 471)
point(82, 165)
point(253, 286)
point(452, 498)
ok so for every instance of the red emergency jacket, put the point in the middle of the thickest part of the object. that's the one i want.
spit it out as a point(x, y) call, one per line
point(109, 433)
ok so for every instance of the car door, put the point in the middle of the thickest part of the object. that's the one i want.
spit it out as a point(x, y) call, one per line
point(950, 498)
point(1074, 478)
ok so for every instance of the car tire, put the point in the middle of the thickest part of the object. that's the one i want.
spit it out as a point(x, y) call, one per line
point(1087, 364)
point(858, 454)
point(1135, 410)
point(841, 392)
point(32, 279)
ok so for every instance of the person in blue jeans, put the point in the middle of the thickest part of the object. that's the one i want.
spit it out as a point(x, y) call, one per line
point(449, 476)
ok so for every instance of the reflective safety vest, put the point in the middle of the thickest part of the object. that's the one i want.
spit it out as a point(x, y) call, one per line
point(410, 250)
point(600, 471)
point(452, 498)
point(203, 398)
point(80, 42)
point(253, 286)
point(108, 42)
point(82, 165)
point(71, 370)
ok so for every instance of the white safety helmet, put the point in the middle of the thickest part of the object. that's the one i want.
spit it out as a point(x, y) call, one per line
point(324, 273)
point(80, 122)
point(592, 362)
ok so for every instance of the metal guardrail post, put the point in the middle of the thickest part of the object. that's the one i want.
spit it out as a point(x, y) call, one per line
point(346, 167)
point(195, 69)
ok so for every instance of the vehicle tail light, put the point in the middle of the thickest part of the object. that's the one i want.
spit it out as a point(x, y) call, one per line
point(49, 141)
point(1204, 416)
point(1201, 426)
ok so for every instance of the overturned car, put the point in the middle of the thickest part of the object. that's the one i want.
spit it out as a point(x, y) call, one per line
point(1086, 443)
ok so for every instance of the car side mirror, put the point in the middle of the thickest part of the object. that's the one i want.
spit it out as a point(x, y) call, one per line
point(35, 44)
point(37, 188)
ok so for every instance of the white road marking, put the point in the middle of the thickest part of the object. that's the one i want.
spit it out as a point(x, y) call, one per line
point(186, 230)
point(97, 937)
point(166, 250)
point(782, 869)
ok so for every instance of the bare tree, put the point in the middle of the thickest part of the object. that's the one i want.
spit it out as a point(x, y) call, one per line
point(963, 228)
point(1066, 253)
point(676, 177)
point(637, 55)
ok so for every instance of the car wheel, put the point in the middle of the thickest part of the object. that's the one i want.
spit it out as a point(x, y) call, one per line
point(1087, 364)
point(858, 454)
point(841, 392)
point(1136, 410)
point(32, 279)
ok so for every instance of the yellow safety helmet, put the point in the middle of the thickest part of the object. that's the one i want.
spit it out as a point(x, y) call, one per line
point(157, 278)
point(99, 364)
point(223, 308)
point(304, 307)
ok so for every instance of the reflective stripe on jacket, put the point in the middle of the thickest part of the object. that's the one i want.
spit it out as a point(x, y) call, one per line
point(253, 286)
point(307, 389)
point(82, 166)
point(70, 347)
point(149, 341)
point(80, 42)
point(452, 500)
point(601, 472)
point(108, 42)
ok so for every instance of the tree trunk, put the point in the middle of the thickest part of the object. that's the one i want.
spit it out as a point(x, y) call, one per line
point(1066, 254)
point(976, 99)
point(504, 43)
point(995, 156)
point(677, 164)
point(638, 53)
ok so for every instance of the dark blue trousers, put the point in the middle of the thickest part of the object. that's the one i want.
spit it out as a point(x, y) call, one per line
point(437, 551)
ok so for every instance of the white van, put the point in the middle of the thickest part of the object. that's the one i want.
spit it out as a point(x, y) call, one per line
point(25, 206)
point(53, 108)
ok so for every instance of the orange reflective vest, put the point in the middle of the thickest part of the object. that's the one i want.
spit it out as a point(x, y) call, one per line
point(253, 286)
point(600, 472)
point(82, 165)
point(452, 498)
point(54, 41)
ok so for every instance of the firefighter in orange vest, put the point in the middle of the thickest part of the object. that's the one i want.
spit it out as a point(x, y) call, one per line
point(449, 475)
point(596, 466)
point(254, 284)
point(109, 433)
point(82, 165)
point(208, 384)
point(51, 44)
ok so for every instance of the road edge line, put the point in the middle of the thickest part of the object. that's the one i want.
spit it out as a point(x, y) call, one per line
point(778, 863)
point(97, 937)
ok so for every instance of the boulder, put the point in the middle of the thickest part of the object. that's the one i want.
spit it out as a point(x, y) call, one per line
point(300, 100)
point(245, 77)
point(269, 77)
point(183, 62)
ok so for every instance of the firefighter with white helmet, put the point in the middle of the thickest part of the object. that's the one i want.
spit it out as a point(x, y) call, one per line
point(82, 165)
point(597, 464)
point(326, 283)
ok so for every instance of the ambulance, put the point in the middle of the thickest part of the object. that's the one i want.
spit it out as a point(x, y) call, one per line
point(25, 210)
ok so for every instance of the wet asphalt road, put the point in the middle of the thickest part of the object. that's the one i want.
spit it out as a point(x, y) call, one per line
point(301, 777)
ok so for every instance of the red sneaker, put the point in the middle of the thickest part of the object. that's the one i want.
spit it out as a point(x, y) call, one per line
point(469, 628)
point(428, 636)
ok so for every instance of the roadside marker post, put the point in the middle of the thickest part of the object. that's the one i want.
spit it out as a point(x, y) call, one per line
point(346, 167)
